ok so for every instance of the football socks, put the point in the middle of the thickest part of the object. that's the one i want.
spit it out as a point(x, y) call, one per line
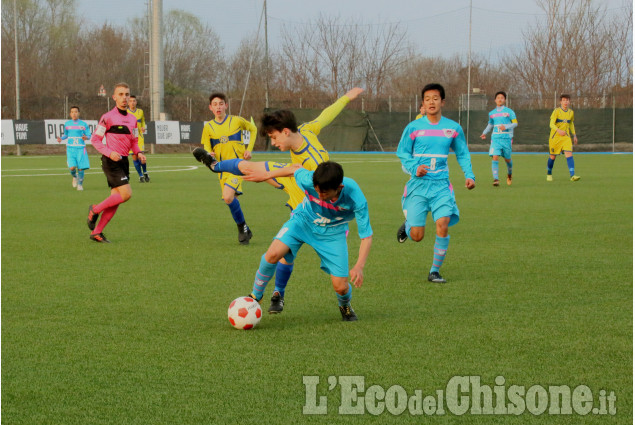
point(263, 276)
point(283, 273)
point(550, 165)
point(509, 168)
point(106, 216)
point(111, 201)
point(229, 166)
point(346, 298)
point(80, 177)
point(440, 249)
point(137, 166)
point(237, 212)
point(571, 166)
point(495, 169)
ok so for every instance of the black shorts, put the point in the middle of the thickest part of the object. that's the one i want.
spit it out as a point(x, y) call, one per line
point(117, 172)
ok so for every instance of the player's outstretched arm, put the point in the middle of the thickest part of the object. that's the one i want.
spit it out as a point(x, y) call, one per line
point(357, 272)
point(354, 92)
point(256, 171)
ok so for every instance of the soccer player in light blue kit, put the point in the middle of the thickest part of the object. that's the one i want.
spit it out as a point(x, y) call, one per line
point(76, 132)
point(503, 120)
point(423, 150)
point(321, 221)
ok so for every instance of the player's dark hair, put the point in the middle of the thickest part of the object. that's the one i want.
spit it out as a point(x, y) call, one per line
point(565, 96)
point(500, 92)
point(278, 120)
point(328, 175)
point(132, 96)
point(74, 107)
point(433, 86)
point(217, 95)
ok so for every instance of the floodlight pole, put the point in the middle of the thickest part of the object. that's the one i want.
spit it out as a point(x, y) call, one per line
point(266, 60)
point(156, 58)
point(17, 69)
point(469, 77)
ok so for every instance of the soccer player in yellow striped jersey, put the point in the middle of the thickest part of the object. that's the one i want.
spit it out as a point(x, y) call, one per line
point(422, 111)
point(139, 165)
point(562, 132)
point(305, 148)
point(222, 137)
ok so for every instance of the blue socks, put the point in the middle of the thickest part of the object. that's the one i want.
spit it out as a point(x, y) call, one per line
point(143, 166)
point(263, 276)
point(283, 274)
point(509, 167)
point(229, 166)
point(440, 249)
point(80, 177)
point(345, 299)
point(495, 169)
point(237, 213)
point(571, 166)
point(74, 172)
point(137, 166)
point(550, 165)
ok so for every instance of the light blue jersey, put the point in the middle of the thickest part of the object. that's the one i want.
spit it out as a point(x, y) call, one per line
point(423, 142)
point(501, 116)
point(327, 217)
point(73, 131)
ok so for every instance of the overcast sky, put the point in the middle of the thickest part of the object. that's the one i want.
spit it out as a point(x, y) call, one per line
point(439, 28)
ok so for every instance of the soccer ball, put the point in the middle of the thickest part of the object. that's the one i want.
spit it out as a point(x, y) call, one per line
point(244, 313)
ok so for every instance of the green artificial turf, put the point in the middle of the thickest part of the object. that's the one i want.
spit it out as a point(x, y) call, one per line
point(540, 292)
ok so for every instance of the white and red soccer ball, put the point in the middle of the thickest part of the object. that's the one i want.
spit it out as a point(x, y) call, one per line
point(244, 313)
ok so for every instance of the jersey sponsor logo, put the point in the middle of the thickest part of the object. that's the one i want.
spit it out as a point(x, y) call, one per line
point(224, 139)
point(448, 132)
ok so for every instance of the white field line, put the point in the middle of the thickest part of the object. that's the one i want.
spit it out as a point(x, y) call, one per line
point(173, 168)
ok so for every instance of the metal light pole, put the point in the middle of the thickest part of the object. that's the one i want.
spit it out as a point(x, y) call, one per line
point(17, 69)
point(469, 77)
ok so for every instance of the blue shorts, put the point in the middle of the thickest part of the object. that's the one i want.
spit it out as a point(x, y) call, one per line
point(331, 247)
point(501, 147)
point(436, 196)
point(76, 157)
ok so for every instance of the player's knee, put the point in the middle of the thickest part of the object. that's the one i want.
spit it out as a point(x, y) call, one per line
point(228, 199)
point(272, 257)
point(340, 285)
point(417, 233)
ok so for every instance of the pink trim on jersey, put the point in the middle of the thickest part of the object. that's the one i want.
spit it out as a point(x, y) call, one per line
point(499, 114)
point(76, 127)
point(432, 133)
point(120, 143)
point(321, 202)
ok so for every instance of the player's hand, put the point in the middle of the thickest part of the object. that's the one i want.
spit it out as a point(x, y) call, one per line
point(247, 155)
point(483, 136)
point(422, 170)
point(561, 132)
point(575, 140)
point(114, 156)
point(470, 184)
point(84, 137)
point(357, 276)
point(501, 127)
point(255, 175)
point(354, 92)
point(141, 157)
point(59, 139)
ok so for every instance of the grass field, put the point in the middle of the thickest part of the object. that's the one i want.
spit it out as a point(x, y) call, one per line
point(540, 291)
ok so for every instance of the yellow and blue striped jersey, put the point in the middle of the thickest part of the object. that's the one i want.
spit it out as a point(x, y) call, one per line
point(225, 138)
point(311, 153)
point(141, 120)
point(562, 120)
